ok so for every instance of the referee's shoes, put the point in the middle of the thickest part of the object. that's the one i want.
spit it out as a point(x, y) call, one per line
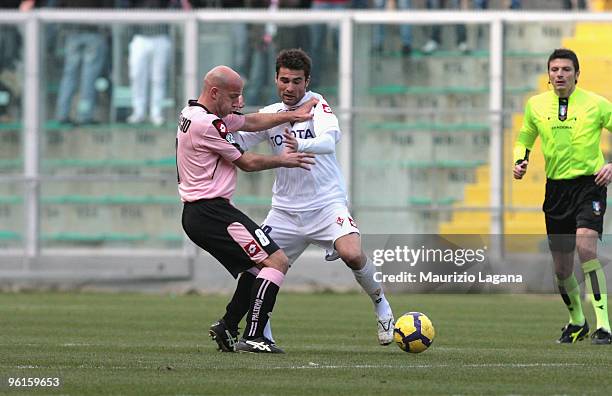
point(601, 336)
point(572, 333)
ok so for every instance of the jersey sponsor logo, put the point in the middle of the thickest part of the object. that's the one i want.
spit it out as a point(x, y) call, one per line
point(220, 127)
point(326, 108)
point(340, 221)
point(230, 138)
point(596, 208)
point(266, 228)
point(561, 127)
point(278, 140)
point(352, 222)
point(252, 249)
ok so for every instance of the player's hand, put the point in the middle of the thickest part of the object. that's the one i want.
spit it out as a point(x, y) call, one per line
point(291, 143)
point(604, 176)
point(297, 160)
point(304, 112)
point(520, 170)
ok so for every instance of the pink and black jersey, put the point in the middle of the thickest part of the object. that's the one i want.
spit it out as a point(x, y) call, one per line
point(205, 152)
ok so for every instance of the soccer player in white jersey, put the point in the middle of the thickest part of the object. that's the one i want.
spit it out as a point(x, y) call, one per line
point(310, 207)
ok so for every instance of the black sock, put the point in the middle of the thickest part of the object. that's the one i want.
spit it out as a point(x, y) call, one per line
point(240, 302)
point(263, 298)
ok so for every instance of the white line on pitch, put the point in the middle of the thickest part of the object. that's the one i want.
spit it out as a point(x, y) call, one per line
point(387, 366)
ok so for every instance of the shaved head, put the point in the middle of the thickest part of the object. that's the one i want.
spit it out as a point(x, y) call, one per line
point(221, 77)
point(222, 91)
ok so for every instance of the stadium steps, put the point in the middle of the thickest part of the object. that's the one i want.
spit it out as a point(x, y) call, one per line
point(96, 238)
point(54, 126)
point(529, 193)
point(384, 127)
point(166, 162)
point(125, 200)
point(396, 89)
point(415, 164)
point(71, 231)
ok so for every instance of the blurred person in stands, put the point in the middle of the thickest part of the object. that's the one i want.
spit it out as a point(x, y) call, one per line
point(318, 32)
point(405, 30)
point(150, 52)
point(435, 37)
point(85, 55)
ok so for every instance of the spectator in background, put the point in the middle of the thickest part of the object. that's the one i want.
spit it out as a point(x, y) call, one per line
point(575, 4)
point(405, 30)
point(25, 5)
point(484, 4)
point(436, 31)
point(86, 53)
point(241, 52)
point(149, 58)
point(317, 35)
point(263, 53)
point(10, 59)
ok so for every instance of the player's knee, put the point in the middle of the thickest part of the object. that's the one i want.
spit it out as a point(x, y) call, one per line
point(353, 258)
point(561, 243)
point(564, 264)
point(277, 260)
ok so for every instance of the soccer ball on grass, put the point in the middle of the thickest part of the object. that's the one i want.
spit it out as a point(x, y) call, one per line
point(413, 332)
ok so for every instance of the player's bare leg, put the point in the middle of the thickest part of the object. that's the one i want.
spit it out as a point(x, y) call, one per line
point(349, 250)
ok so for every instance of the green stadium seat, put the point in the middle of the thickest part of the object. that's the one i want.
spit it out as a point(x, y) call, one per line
point(426, 126)
point(424, 201)
point(9, 236)
point(412, 164)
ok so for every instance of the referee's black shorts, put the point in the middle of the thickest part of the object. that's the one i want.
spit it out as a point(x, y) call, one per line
point(572, 204)
point(228, 234)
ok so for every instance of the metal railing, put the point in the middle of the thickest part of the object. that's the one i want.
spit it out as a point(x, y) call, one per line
point(190, 21)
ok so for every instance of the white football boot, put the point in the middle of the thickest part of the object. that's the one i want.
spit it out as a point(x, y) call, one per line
point(385, 330)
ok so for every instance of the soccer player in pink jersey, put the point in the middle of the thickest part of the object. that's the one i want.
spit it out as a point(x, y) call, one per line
point(206, 159)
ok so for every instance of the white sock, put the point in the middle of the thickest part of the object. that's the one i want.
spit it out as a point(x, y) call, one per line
point(268, 330)
point(365, 278)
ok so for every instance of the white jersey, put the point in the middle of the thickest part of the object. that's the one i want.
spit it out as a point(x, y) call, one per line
point(297, 189)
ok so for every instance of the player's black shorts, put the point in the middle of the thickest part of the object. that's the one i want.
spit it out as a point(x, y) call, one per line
point(228, 234)
point(572, 204)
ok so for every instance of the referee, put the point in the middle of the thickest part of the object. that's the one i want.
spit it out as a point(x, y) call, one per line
point(569, 121)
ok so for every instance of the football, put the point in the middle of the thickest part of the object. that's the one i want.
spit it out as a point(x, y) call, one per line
point(413, 332)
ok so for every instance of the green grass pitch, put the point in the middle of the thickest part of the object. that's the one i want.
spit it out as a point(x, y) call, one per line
point(141, 344)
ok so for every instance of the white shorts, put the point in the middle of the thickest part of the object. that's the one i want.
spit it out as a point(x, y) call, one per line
point(294, 231)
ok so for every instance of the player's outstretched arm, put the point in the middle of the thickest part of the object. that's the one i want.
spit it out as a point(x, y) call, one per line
point(250, 162)
point(261, 121)
point(520, 169)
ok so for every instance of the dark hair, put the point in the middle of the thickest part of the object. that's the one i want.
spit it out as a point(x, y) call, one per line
point(564, 53)
point(294, 59)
